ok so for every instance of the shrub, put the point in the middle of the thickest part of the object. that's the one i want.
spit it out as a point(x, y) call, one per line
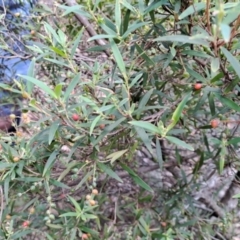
point(81, 171)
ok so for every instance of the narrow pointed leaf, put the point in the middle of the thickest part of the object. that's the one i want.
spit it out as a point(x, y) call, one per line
point(179, 142)
point(233, 61)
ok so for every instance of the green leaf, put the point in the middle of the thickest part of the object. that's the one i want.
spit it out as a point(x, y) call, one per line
point(51, 31)
point(226, 32)
point(118, 16)
point(146, 125)
point(145, 138)
point(71, 86)
point(84, 180)
point(179, 142)
point(195, 75)
point(94, 122)
point(127, 5)
point(234, 140)
point(108, 129)
point(233, 61)
point(58, 90)
point(59, 52)
point(196, 53)
point(75, 203)
point(236, 196)
point(193, 9)
point(23, 233)
point(36, 49)
point(48, 236)
point(145, 100)
point(5, 166)
point(8, 88)
point(29, 179)
point(177, 113)
point(88, 101)
point(231, 15)
point(59, 63)
point(109, 171)
point(76, 42)
point(41, 85)
point(198, 40)
point(54, 226)
point(134, 81)
point(144, 225)
point(143, 55)
point(229, 103)
point(67, 170)
point(173, 51)
point(74, 9)
point(109, 31)
point(169, 59)
point(201, 101)
point(126, 21)
point(199, 164)
point(215, 65)
point(205, 140)
point(116, 155)
point(125, 97)
point(118, 58)
point(134, 27)
point(106, 108)
point(136, 178)
point(217, 77)
point(58, 184)
point(211, 103)
point(52, 131)
point(69, 214)
point(231, 85)
point(73, 232)
point(90, 216)
point(31, 71)
point(50, 162)
point(6, 188)
point(62, 37)
point(154, 5)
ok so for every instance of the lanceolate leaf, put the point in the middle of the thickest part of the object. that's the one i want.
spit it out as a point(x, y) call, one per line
point(145, 138)
point(118, 58)
point(41, 85)
point(234, 140)
point(183, 39)
point(177, 113)
point(51, 160)
point(192, 9)
point(109, 171)
point(179, 143)
point(146, 125)
point(116, 155)
point(136, 178)
point(233, 61)
point(229, 103)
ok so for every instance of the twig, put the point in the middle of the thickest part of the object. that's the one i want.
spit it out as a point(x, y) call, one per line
point(213, 205)
point(208, 15)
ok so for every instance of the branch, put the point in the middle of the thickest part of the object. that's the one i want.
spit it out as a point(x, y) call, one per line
point(87, 25)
